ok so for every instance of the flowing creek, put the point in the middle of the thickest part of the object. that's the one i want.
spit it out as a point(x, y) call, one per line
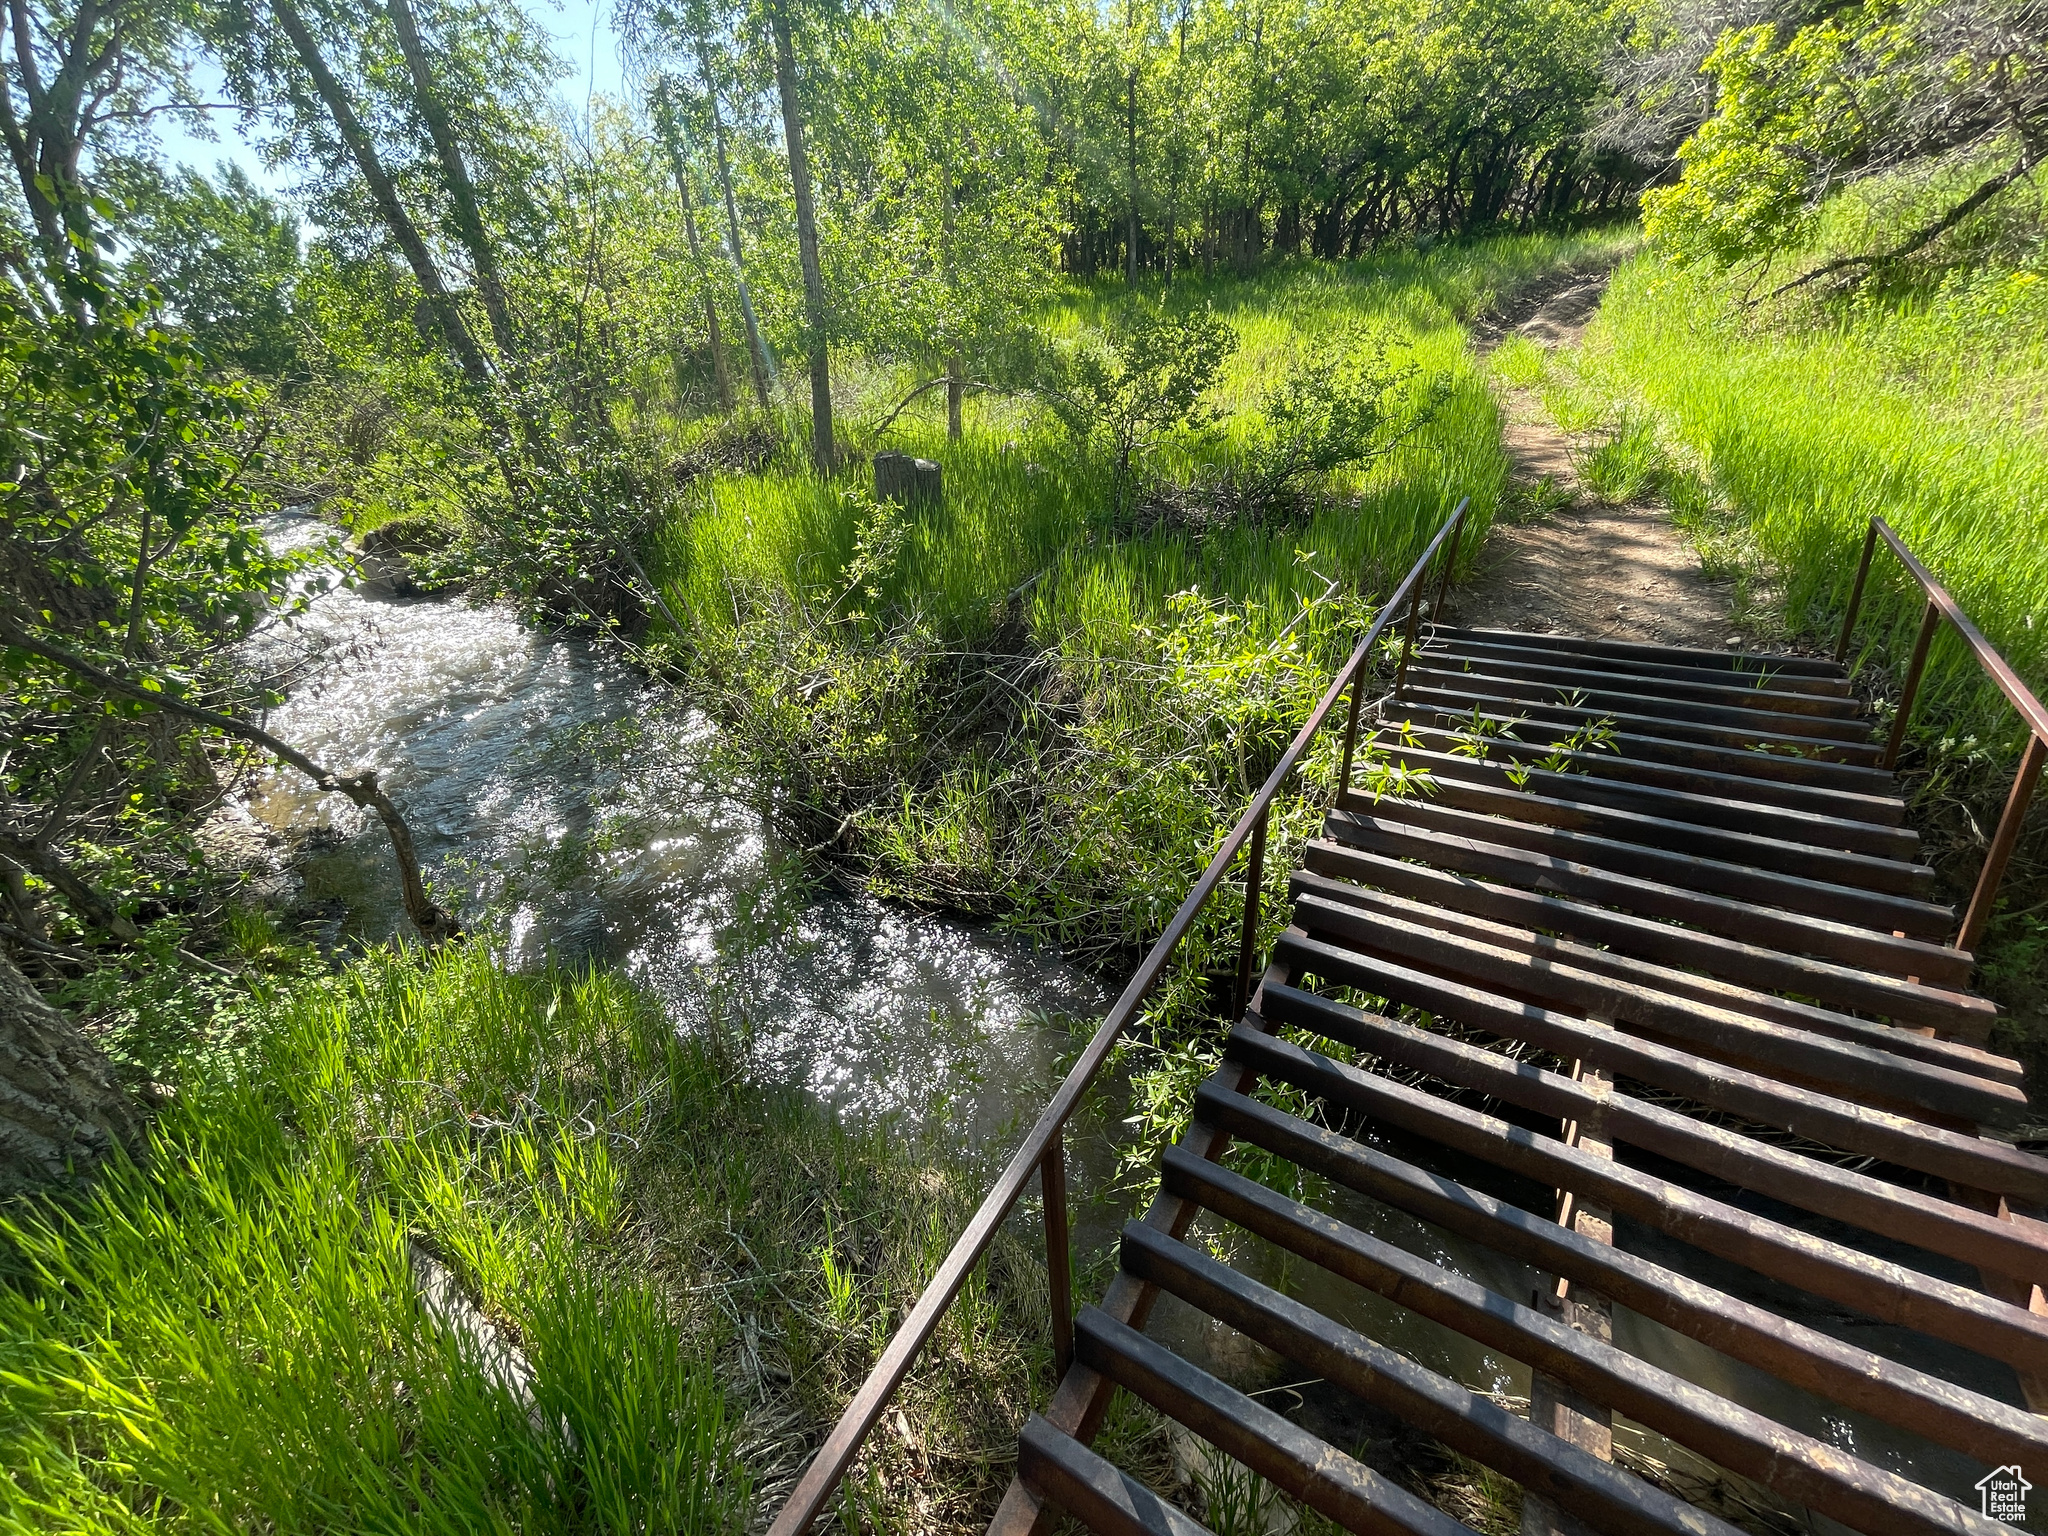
point(562, 800)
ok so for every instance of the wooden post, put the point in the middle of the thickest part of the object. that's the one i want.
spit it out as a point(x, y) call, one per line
point(911, 481)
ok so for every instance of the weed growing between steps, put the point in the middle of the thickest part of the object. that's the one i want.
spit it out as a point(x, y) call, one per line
point(700, 1269)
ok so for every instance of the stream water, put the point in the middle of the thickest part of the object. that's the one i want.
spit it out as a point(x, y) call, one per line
point(562, 800)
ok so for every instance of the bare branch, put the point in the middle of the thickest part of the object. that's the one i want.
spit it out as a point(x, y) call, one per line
point(1923, 236)
point(43, 860)
point(433, 923)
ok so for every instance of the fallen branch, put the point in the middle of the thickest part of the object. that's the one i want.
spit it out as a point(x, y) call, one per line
point(40, 859)
point(654, 595)
point(979, 387)
point(434, 924)
point(1925, 235)
point(70, 952)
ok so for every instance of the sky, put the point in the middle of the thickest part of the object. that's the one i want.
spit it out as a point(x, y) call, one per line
point(582, 30)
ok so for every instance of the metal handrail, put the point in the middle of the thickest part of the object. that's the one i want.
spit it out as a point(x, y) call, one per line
point(1942, 606)
point(1044, 1149)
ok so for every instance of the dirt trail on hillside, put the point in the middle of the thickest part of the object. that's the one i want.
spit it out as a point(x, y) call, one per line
point(1614, 573)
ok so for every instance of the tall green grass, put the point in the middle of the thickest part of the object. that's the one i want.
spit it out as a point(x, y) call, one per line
point(1027, 504)
point(226, 1337)
point(1805, 427)
point(1045, 704)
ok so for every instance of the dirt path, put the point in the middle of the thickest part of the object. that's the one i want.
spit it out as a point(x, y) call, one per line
point(1614, 573)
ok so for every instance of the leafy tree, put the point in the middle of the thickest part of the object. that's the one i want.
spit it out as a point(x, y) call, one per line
point(817, 332)
point(668, 126)
point(129, 535)
point(1802, 109)
point(1351, 400)
point(80, 85)
point(1145, 378)
point(1237, 130)
point(943, 226)
point(226, 260)
point(135, 554)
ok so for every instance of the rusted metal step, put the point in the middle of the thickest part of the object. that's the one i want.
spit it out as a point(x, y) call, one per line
point(1878, 893)
point(1646, 761)
point(1564, 675)
point(1729, 1022)
point(1574, 797)
point(1825, 681)
point(1746, 730)
point(1551, 869)
point(1742, 663)
point(1845, 987)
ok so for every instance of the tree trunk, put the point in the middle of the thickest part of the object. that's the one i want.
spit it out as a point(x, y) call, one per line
point(956, 365)
point(1210, 233)
point(61, 1111)
point(679, 165)
point(41, 859)
point(822, 450)
point(363, 150)
point(1131, 186)
point(757, 350)
point(721, 371)
point(469, 224)
point(89, 45)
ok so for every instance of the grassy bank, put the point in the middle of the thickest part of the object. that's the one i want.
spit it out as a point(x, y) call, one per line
point(1043, 699)
point(699, 1269)
point(1804, 425)
point(1047, 697)
point(1026, 501)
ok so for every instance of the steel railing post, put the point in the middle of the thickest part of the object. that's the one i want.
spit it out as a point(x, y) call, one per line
point(1350, 733)
point(1929, 622)
point(1443, 586)
point(2002, 841)
point(1254, 888)
point(1856, 592)
point(1407, 639)
point(1059, 1254)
